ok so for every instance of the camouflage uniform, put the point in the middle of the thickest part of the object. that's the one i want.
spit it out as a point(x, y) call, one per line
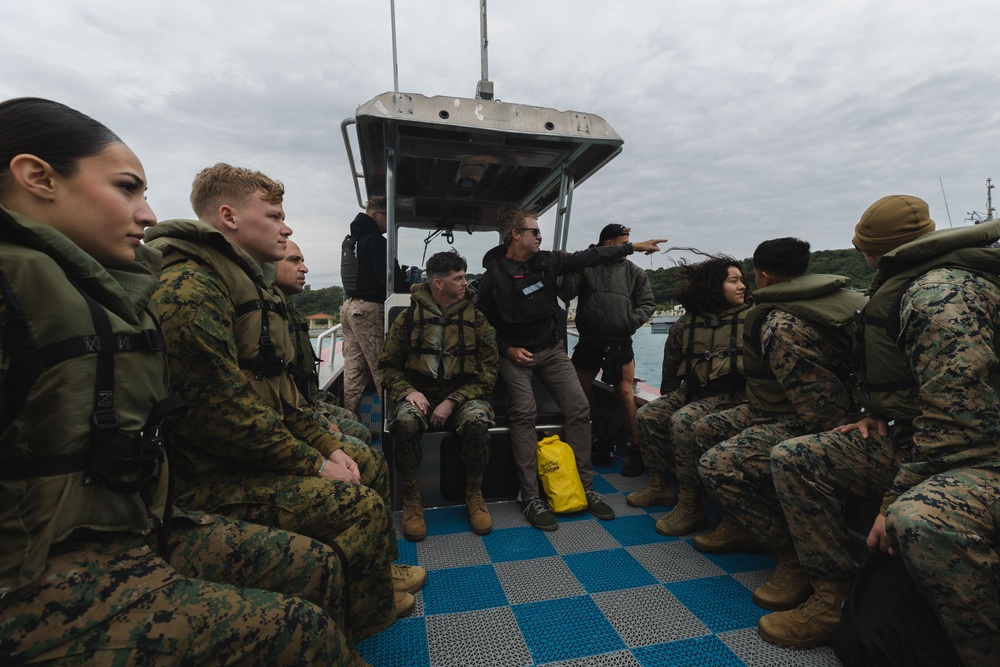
point(657, 442)
point(246, 454)
point(473, 414)
point(339, 420)
point(699, 388)
point(81, 579)
point(736, 472)
point(115, 601)
point(941, 483)
point(322, 404)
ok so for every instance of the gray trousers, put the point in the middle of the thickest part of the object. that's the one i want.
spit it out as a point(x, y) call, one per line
point(554, 369)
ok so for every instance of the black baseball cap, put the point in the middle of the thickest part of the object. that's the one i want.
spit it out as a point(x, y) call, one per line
point(613, 231)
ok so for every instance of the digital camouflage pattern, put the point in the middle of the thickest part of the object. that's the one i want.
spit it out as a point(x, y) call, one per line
point(945, 493)
point(819, 472)
point(654, 426)
point(471, 421)
point(736, 471)
point(205, 607)
point(946, 530)
point(354, 517)
point(338, 419)
point(226, 420)
point(686, 446)
point(473, 415)
point(249, 461)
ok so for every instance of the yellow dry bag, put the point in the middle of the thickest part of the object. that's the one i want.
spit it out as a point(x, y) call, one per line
point(560, 478)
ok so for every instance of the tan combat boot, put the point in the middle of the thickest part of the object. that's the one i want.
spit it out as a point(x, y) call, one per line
point(787, 588)
point(657, 492)
point(813, 623)
point(405, 602)
point(414, 528)
point(727, 537)
point(408, 578)
point(479, 516)
point(687, 516)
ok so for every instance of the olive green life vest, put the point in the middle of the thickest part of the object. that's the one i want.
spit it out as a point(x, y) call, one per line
point(264, 345)
point(825, 303)
point(886, 384)
point(78, 442)
point(713, 348)
point(442, 345)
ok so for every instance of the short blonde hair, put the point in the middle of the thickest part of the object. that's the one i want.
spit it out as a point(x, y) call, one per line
point(374, 205)
point(225, 184)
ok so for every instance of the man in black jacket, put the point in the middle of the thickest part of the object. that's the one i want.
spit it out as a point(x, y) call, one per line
point(518, 296)
point(614, 301)
point(363, 271)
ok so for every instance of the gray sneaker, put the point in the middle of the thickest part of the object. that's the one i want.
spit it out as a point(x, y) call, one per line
point(538, 514)
point(599, 508)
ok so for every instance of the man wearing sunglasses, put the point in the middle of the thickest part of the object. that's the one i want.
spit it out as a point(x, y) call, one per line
point(518, 296)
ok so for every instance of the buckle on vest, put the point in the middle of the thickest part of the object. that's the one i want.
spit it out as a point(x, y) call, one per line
point(104, 421)
point(153, 340)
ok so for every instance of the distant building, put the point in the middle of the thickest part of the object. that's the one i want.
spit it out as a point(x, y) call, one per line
point(321, 321)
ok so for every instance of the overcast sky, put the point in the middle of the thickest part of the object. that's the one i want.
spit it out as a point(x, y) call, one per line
point(743, 120)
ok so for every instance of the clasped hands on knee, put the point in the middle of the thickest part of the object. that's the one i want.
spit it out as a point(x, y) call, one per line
point(341, 467)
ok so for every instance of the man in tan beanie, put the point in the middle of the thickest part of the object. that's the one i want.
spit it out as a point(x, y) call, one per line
point(928, 444)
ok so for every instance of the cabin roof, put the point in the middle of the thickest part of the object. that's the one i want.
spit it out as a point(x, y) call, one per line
point(462, 163)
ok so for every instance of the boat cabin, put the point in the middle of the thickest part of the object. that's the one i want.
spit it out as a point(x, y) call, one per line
point(450, 166)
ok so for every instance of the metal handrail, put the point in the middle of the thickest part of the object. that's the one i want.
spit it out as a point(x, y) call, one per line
point(332, 331)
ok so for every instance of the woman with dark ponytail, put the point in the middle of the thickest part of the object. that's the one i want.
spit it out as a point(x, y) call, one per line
point(89, 573)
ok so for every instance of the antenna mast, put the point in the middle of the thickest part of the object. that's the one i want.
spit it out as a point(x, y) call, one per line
point(395, 63)
point(484, 89)
point(945, 201)
point(977, 217)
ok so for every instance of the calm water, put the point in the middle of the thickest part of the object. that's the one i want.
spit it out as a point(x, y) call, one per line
point(648, 348)
point(648, 354)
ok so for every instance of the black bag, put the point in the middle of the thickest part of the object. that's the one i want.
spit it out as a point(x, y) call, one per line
point(887, 623)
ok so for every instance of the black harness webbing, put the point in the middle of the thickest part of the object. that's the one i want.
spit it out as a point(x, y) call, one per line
point(267, 363)
point(443, 322)
point(733, 352)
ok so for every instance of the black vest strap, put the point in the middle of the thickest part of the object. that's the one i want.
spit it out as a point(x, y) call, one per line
point(734, 351)
point(267, 363)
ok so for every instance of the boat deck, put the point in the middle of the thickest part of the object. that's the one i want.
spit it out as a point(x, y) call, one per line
point(590, 594)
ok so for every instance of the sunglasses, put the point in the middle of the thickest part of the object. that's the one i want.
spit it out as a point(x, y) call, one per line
point(534, 230)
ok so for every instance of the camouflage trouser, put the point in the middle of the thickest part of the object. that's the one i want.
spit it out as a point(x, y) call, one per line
point(338, 426)
point(736, 473)
point(687, 449)
point(354, 517)
point(471, 421)
point(651, 421)
point(117, 602)
point(340, 420)
point(813, 476)
point(364, 333)
point(947, 529)
point(659, 449)
point(692, 435)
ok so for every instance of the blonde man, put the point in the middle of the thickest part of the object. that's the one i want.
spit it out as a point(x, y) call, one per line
point(244, 450)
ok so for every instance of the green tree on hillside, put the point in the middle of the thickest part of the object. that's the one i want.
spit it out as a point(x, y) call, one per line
point(324, 300)
point(850, 263)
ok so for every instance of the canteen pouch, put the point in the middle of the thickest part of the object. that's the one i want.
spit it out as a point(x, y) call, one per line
point(560, 478)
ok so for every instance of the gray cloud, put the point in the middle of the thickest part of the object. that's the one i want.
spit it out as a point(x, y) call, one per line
point(742, 121)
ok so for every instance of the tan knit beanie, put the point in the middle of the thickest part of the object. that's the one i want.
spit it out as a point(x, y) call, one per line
point(890, 222)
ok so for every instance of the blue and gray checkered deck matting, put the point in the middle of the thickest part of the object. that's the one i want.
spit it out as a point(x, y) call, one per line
point(590, 594)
